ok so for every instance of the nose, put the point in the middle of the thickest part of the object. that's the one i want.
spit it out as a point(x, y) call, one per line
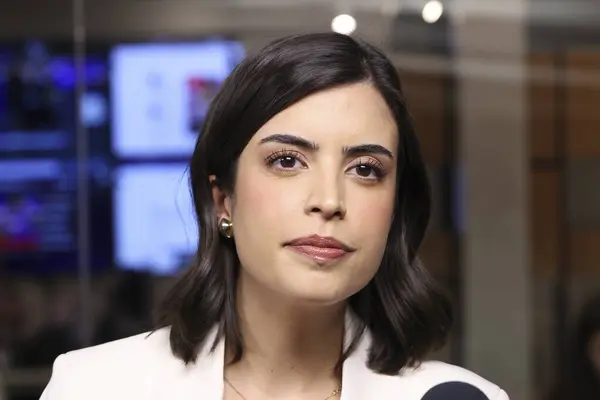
point(327, 197)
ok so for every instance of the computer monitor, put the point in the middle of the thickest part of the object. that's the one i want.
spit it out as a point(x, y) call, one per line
point(155, 230)
point(161, 93)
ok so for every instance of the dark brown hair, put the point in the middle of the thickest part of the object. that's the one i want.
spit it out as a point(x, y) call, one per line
point(405, 312)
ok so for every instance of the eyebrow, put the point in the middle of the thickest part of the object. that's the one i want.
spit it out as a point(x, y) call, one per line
point(293, 140)
point(368, 149)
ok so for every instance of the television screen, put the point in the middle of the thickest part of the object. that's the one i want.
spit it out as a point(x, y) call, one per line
point(161, 94)
point(38, 215)
point(38, 158)
point(155, 230)
point(38, 100)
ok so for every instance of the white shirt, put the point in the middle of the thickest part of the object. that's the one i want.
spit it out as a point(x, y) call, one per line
point(143, 367)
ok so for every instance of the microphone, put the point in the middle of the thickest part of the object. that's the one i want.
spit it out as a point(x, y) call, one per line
point(454, 391)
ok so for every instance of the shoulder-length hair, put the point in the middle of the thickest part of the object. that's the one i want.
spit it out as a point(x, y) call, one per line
point(405, 312)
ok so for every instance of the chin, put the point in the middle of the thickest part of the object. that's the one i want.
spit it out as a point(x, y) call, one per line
point(317, 292)
point(318, 300)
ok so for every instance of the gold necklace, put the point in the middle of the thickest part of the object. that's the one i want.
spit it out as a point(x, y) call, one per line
point(333, 394)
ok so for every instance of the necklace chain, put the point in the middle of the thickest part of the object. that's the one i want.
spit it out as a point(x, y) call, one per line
point(333, 394)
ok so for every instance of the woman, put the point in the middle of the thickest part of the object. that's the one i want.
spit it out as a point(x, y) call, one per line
point(312, 200)
point(583, 376)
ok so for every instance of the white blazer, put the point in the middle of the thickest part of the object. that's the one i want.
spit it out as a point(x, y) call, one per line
point(142, 367)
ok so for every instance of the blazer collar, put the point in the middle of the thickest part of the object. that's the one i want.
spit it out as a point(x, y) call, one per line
point(204, 378)
point(358, 381)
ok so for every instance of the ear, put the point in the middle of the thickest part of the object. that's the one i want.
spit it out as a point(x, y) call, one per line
point(221, 200)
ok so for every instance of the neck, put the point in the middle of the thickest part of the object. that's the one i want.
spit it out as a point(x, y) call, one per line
point(287, 345)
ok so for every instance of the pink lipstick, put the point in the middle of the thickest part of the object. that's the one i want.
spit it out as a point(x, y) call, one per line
point(321, 249)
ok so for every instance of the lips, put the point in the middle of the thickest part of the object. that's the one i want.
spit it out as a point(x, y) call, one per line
point(320, 248)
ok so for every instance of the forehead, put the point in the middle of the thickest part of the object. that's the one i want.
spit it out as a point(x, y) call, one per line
point(348, 115)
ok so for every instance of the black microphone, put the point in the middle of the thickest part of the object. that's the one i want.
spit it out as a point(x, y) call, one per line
point(454, 391)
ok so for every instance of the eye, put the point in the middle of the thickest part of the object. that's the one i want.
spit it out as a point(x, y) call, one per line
point(368, 169)
point(285, 160)
point(365, 171)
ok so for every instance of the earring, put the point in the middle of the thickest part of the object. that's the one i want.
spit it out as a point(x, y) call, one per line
point(226, 228)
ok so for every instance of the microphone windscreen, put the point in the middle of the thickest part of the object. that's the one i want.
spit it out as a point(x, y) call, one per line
point(454, 391)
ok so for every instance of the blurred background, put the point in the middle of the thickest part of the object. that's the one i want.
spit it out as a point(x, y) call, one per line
point(100, 102)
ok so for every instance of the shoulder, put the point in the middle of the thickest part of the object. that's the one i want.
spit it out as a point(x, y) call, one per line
point(121, 364)
point(131, 351)
point(449, 381)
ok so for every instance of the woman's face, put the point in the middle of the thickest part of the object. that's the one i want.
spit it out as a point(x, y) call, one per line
point(314, 196)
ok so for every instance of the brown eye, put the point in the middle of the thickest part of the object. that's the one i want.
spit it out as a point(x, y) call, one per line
point(287, 162)
point(364, 171)
point(367, 169)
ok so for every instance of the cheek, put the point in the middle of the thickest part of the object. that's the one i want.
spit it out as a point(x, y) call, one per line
point(264, 206)
point(376, 217)
point(263, 211)
point(373, 213)
point(260, 200)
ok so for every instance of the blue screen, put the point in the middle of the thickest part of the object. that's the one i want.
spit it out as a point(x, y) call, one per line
point(38, 159)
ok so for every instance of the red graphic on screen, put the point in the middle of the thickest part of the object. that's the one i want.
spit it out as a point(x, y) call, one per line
point(18, 225)
point(202, 91)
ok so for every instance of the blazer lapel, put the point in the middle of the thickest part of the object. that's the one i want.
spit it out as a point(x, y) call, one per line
point(201, 380)
point(361, 383)
point(204, 379)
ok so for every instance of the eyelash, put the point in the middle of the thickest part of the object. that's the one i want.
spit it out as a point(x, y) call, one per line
point(279, 154)
point(375, 165)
